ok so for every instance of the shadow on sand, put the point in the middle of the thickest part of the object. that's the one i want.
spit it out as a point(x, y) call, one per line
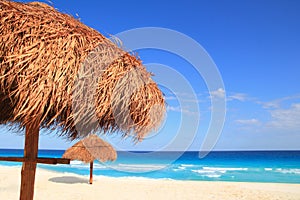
point(68, 180)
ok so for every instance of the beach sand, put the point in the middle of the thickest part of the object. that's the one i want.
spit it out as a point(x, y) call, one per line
point(51, 185)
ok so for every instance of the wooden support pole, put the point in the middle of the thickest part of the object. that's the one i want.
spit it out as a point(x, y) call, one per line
point(52, 161)
point(91, 172)
point(29, 166)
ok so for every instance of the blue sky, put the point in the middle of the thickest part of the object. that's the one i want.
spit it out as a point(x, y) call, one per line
point(256, 48)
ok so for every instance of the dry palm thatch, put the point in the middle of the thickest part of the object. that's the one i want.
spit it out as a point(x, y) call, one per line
point(61, 73)
point(91, 148)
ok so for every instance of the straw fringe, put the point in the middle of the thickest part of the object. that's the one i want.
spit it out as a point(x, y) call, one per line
point(56, 70)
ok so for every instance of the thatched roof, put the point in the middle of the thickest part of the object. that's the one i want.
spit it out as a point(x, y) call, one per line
point(58, 71)
point(91, 148)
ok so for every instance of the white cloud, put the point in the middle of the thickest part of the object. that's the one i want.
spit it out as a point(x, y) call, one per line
point(275, 104)
point(238, 96)
point(218, 94)
point(248, 121)
point(174, 108)
point(170, 98)
point(182, 110)
point(270, 104)
point(185, 97)
point(286, 119)
point(282, 120)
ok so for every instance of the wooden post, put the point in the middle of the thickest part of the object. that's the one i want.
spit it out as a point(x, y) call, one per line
point(29, 166)
point(91, 172)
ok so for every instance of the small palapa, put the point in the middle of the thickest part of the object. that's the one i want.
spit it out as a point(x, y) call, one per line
point(89, 149)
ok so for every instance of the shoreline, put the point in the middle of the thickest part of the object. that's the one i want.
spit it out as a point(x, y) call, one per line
point(66, 186)
point(146, 178)
point(158, 179)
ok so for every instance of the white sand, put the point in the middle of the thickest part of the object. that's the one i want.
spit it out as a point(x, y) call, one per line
point(58, 186)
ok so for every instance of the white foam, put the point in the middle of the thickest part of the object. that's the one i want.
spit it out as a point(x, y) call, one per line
point(198, 171)
point(216, 172)
point(201, 171)
point(137, 167)
point(76, 162)
point(99, 166)
point(187, 165)
point(213, 176)
point(209, 173)
point(288, 171)
point(132, 178)
point(226, 169)
point(268, 169)
point(82, 165)
point(182, 168)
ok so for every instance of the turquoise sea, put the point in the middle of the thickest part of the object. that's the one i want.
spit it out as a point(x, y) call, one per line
point(249, 166)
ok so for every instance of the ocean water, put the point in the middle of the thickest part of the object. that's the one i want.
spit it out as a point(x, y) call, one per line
point(250, 166)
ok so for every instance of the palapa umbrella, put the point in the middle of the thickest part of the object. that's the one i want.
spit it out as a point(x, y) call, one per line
point(55, 72)
point(89, 149)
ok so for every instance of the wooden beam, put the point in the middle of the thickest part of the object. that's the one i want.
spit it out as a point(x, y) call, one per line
point(29, 168)
point(13, 159)
point(41, 160)
point(53, 161)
